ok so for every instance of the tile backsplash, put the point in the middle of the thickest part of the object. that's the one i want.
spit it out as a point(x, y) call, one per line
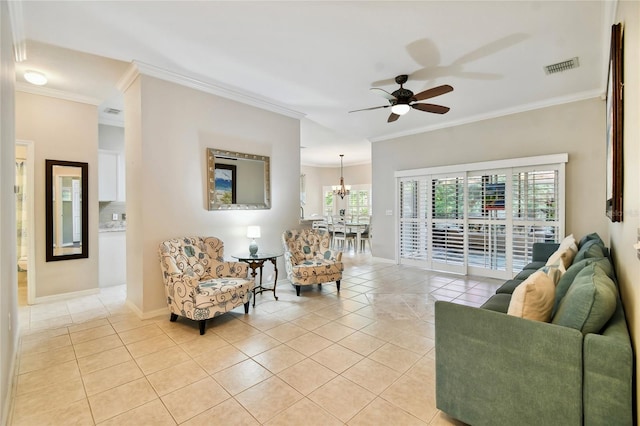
point(106, 211)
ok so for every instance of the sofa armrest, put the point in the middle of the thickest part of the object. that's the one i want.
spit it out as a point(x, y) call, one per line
point(542, 251)
point(493, 368)
point(334, 255)
point(608, 374)
point(171, 279)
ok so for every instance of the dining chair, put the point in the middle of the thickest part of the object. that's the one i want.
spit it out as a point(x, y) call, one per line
point(342, 238)
point(365, 237)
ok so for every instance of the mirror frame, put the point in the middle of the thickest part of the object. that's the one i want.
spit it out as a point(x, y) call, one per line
point(84, 173)
point(211, 181)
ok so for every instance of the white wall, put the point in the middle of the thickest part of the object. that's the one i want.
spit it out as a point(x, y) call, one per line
point(576, 128)
point(624, 234)
point(61, 130)
point(8, 280)
point(317, 177)
point(168, 129)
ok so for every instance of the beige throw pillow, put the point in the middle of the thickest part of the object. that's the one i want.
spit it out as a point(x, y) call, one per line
point(564, 255)
point(534, 298)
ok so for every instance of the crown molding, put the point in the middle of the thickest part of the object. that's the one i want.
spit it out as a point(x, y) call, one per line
point(55, 93)
point(495, 114)
point(217, 89)
point(16, 18)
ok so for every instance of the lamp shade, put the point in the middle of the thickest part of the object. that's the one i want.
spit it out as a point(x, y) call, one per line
point(253, 232)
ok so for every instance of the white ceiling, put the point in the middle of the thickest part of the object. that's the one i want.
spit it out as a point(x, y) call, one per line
point(321, 58)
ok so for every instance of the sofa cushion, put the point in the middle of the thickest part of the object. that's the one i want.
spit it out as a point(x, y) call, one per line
point(524, 274)
point(509, 286)
point(535, 265)
point(533, 299)
point(589, 302)
point(498, 303)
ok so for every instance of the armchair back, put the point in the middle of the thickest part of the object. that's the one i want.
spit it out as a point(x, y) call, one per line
point(198, 257)
point(306, 244)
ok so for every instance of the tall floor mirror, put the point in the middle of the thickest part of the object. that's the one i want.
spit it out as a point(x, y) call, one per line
point(67, 210)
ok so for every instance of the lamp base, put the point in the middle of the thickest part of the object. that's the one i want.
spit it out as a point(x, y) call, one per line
point(253, 248)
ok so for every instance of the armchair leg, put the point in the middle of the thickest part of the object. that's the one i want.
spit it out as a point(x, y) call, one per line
point(202, 324)
point(297, 290)
point(246, 308)
point(338, 284)
point(174, 317)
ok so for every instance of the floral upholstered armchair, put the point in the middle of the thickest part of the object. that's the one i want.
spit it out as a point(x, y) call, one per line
point(198, 283)
point(308, 258)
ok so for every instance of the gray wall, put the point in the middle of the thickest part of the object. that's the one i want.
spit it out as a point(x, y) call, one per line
point(577, 128)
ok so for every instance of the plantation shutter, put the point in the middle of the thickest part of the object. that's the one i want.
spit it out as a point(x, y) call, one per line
point(481, 220)
point(535, 212)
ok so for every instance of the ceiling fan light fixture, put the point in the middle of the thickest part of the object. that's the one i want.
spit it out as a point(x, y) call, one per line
point(35, 77)
point(400, 109)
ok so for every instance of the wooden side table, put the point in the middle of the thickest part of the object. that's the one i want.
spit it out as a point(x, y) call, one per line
point(256, 262)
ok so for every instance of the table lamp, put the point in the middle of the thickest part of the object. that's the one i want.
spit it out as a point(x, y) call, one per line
point(253, 232)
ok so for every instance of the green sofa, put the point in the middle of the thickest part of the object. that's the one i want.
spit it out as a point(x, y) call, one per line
point(497, 369)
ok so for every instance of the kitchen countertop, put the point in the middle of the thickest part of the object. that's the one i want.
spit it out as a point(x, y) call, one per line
point(113, 227)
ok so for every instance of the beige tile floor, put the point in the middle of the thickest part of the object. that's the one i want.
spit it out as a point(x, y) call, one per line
point(364, 356)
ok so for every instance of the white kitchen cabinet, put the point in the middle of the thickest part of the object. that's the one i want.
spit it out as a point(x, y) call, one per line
point(111, 179)
point(112, 258)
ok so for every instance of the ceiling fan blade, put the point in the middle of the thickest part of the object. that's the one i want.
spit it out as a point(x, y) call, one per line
point(392, 117)
point(383, 93)
point(431, 93)
point(367, 109)
point(385, 82)
point(436, 109)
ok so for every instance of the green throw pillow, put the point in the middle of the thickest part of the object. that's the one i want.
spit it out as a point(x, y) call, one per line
point(591, 237)
point(590, 301)
point(567, 278)
point(592, 248)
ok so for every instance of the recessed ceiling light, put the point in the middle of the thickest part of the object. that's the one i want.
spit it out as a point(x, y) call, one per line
point(35, 77)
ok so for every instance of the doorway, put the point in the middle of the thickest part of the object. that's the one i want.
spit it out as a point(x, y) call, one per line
point(25, 250)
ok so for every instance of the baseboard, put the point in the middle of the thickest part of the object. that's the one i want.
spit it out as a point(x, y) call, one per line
point(146, 315)
point(65, 296)
point(383, 260)
point(7, 404)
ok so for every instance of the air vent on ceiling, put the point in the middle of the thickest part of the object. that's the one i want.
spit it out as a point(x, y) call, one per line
point(113, 111)
point(562, 66)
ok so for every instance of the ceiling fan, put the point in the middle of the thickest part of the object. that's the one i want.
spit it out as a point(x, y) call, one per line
point(402, 100)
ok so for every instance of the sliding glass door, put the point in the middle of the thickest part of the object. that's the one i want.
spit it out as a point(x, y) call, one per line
point(479, 222)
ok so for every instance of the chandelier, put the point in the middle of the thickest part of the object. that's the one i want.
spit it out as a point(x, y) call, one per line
point(341, 189)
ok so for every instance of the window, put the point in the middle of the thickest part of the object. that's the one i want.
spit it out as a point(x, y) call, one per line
point(359, 204)
point(356, 204)
point(329, 198)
